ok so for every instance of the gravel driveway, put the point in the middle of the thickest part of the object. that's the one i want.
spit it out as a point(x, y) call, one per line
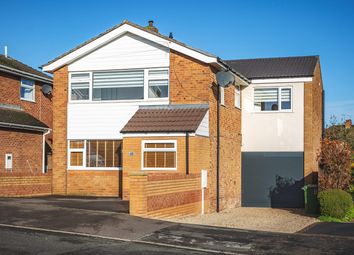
point(263, 219)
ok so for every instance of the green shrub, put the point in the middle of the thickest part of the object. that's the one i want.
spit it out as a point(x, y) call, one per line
point(335, 203)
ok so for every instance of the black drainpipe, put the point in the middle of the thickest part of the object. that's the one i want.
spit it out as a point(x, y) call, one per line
point(217, 148)
point(187, 153)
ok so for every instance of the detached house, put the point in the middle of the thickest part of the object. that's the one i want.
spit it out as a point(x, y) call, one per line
point(25, 124)
point(140, 116)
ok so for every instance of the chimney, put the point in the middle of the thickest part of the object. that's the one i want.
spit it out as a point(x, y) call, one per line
point(151, 27)
point(5, 51)
point(348, 124)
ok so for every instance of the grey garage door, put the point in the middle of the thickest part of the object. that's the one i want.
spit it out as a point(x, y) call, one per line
point(272, 179)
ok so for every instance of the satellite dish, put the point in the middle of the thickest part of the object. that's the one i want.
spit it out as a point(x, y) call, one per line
point(224, 79)
point(47, 89)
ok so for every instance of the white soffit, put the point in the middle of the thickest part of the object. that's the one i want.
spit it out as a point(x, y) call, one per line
point(281, 80)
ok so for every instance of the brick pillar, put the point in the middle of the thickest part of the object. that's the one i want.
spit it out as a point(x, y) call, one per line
point(60, 104)
point(138, 196)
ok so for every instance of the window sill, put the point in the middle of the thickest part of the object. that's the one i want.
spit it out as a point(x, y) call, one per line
point(264, 112)
point(94, 169)
point(27, 100)
point(159, 169)
point(133, 101)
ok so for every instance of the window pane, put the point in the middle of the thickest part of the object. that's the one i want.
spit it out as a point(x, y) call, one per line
point(76, 76)
point(91, 153)
point(160, 159)
point(158, 88)
point(155, 73)
point(101, 147)
point(149, 159)
point(76, 159)
point(170, 159)
point(27, 93)
point(286, 99)
point(80, 90)
point(118, 85)
point(266, 99)
point(27, 82)
point(123, 93)
point(77, 144)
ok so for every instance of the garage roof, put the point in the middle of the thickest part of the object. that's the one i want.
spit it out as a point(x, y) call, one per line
point(284, 67)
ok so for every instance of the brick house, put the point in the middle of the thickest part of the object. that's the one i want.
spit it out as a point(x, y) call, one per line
point(140, 116)
point(25, 124)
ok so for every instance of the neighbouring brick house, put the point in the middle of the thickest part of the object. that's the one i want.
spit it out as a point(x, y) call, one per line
point(137, 117)
point(25, 122)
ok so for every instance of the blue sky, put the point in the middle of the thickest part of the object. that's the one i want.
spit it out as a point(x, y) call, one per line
point(37, 31)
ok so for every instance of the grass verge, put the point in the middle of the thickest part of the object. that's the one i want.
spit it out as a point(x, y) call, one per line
point(349, 217)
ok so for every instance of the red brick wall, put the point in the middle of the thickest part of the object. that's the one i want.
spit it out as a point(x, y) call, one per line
point(165, 195)
point(10, 94)
point(194, 82)
point(313, 124)
point(26, 149)
point(60, 107)
point(24, 185)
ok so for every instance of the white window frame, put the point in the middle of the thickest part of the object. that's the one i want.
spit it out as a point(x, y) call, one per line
point(143, 150)
point(238, 95)
point(162, 77)
point(222, 95)
point(30, 87)
point(81, 80)
point(279, 99)
point(7, 167)
point(84, 166)
point(146, 88)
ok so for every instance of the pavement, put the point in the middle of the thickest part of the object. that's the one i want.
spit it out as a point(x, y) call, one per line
point(330, 228)
point(57, 225)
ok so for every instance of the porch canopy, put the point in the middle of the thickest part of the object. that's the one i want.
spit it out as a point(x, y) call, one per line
point(166, 118)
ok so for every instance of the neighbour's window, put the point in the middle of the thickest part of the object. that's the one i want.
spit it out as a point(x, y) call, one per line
point(95, 153)
point(237, 97)
point(80, 86)
point(27, 90)
point(118, 85)
point(8, 161)
point(159, 155)
point(158, 83)
point(222, 95)
point(103, 153)
point(272, 99)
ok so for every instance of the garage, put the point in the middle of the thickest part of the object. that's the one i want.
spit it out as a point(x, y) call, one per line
point(272, 179)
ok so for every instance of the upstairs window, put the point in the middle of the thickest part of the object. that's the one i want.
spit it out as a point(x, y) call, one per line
point(158, 83)
point(118, 85)
point(222, 95)
point(272, 99)
point(27, 90)
point(159, 155)
point(80, 86)
point(237, 97)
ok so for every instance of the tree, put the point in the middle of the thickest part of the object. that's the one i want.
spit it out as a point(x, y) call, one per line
point(335, 165)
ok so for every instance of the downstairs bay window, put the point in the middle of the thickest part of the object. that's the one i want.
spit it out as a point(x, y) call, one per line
point(95, 154)
point(159, 155)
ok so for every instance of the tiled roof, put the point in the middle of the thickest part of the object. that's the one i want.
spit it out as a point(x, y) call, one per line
point(285, 67)
point(172, 118)
point(19, 66)
point(17, 118)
